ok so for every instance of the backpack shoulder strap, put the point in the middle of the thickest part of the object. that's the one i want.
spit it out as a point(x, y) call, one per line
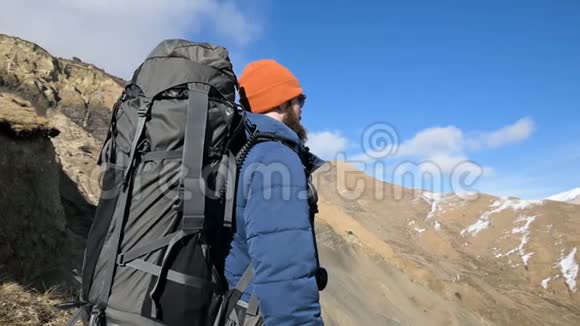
point(192, 163)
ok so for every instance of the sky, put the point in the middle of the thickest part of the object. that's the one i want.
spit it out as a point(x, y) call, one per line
point(479, 95)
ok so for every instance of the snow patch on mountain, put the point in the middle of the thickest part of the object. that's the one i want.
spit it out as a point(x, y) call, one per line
point(545, 282)
point(569, 268)
point(525, 228)
point(478, 226)
point(435, 199)
point(566, 196)
point(525, 231)
point(526, 257)
point(497, 206)
point(437, 226)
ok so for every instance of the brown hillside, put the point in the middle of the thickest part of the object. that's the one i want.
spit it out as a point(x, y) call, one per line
point(497, 272)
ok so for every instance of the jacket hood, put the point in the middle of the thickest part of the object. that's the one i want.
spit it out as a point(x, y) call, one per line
point(268, 124)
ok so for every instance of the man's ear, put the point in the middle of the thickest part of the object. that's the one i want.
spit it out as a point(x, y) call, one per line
point(281, 108)
point(244, 100)
point(285, 106)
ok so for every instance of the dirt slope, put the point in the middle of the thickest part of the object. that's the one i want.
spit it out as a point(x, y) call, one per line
point(503, 259)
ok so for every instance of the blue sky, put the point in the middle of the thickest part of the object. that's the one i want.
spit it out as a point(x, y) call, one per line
point(492, 82)
point(476, 66)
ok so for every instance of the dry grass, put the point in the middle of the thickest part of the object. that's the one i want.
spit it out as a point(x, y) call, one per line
point(20, 307)
point(18, 117)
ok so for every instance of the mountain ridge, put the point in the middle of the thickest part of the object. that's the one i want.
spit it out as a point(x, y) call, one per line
point(571, 196)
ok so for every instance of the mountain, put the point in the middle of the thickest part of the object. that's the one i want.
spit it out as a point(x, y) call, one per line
point(572, 196)
point(396, 256)
point(503, 259)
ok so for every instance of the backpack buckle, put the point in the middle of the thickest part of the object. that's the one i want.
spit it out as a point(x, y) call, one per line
point(144, 146)
point(321, 278)
point(121, 259)
point(143, 110)
point(97, 317)
point(192, 222)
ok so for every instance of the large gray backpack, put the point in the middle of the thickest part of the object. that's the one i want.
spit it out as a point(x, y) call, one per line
point(155, 252)
point(157, 242)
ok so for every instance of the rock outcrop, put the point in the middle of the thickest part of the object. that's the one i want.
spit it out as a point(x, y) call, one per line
point(54, 114)
point(33, 232)
point(81, 91)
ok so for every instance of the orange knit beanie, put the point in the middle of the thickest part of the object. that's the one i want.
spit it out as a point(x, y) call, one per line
point(266, 84)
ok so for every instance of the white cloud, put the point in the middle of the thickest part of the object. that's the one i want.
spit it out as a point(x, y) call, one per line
point(456, 164)
point(514, 133)
point(448, 144)
point(436, 144)
point(117, 35)
point(445, 148)
point(433, 141)
point(327, 144)
point(444, 162)
point(438, 158)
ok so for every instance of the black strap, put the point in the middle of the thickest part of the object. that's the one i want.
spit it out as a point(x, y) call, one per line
point(112, 128)
point(231, 300)
point(143, 113)
point(81, 315)
point(231, 182)
point(93, 314)
point(192, 163)
point(313, 210)
point(164, 269)
point(116, 240)
point(130, 255)
point(97, 316)
point(172, 275)
point(257, 137)
point(162, 155)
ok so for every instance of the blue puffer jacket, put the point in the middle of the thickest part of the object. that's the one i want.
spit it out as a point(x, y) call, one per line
point(273, 232)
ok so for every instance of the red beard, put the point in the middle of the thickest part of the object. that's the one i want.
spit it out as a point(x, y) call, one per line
point(292, 120)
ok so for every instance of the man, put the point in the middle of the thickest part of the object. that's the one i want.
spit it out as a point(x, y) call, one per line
point(273, 232)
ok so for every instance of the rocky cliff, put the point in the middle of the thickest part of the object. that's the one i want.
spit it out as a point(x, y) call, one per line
point(81, 91)
point(33, 232)
point(54, 114)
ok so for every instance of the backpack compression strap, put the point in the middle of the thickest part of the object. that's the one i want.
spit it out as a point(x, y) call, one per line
point(234, 299)
point(193, 194)
point(126, 189)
